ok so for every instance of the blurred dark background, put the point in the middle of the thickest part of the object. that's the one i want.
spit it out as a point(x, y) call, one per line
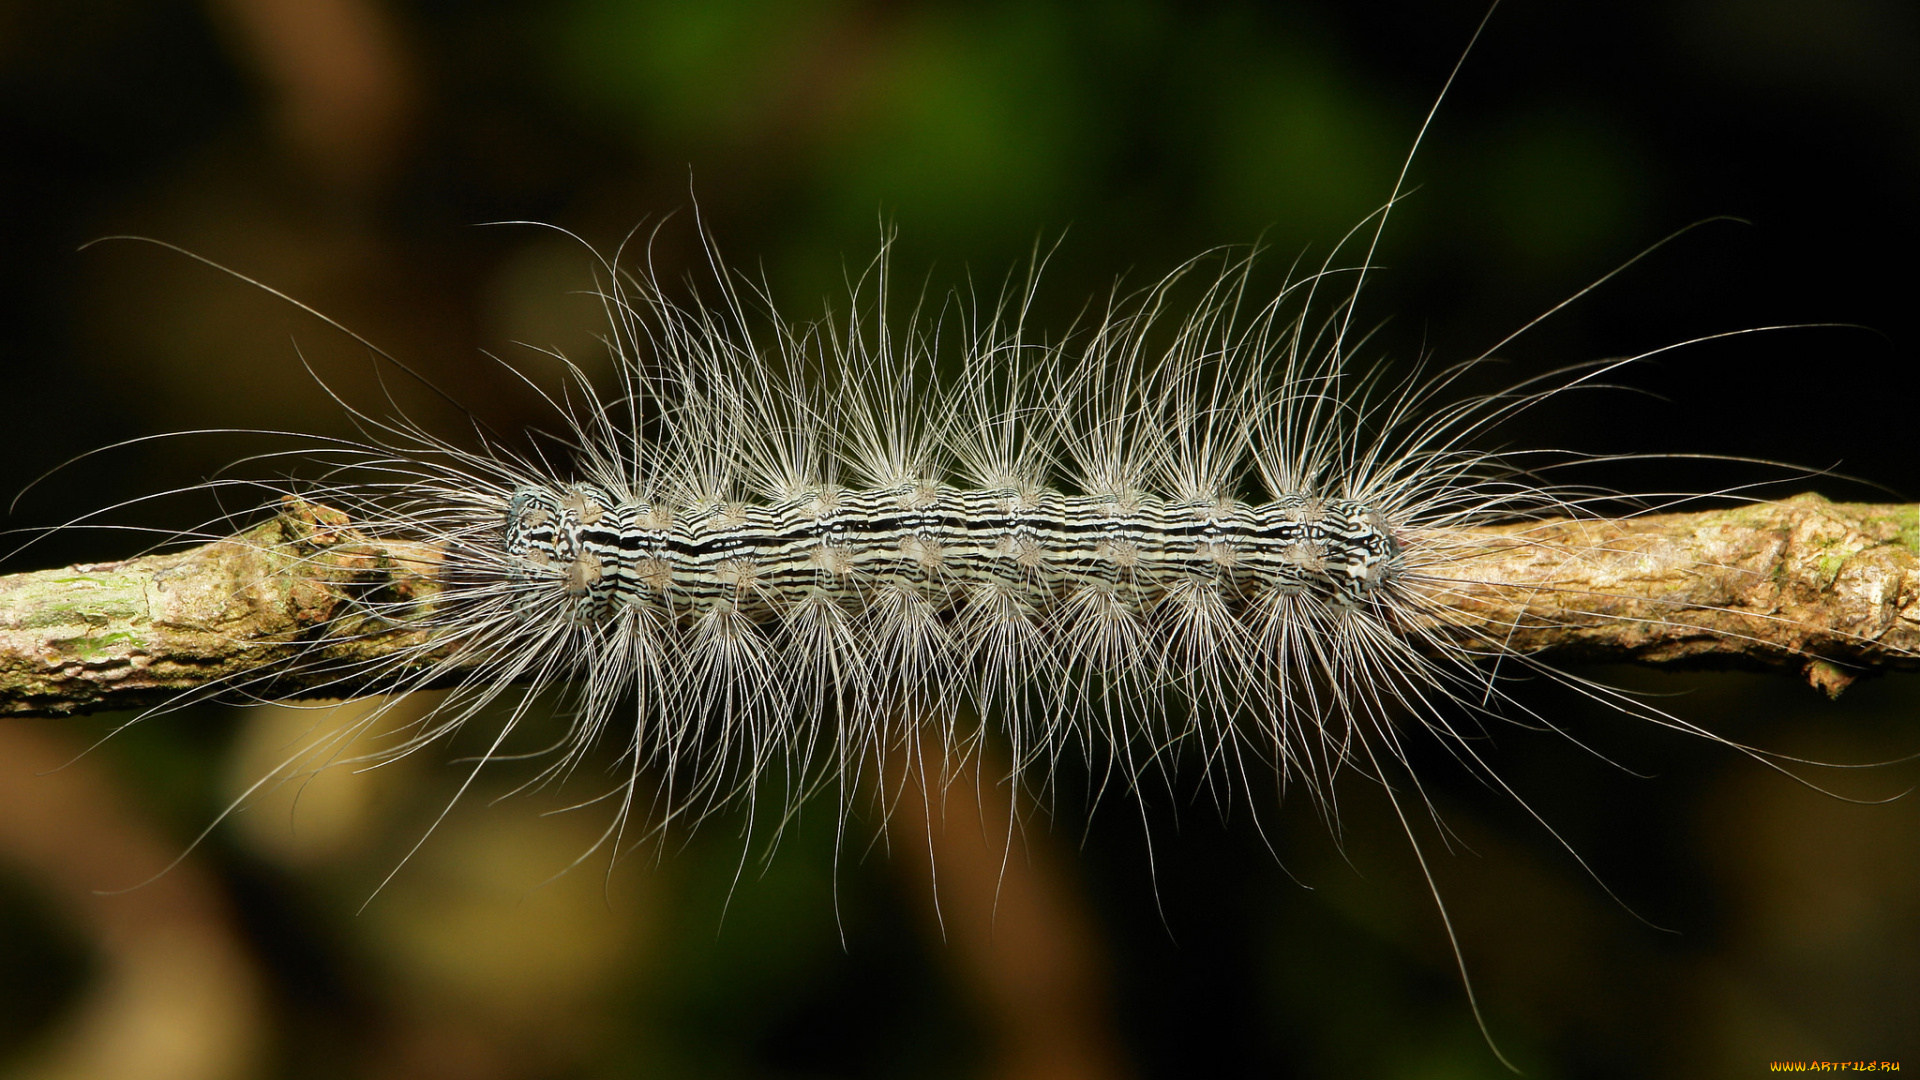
point(348, 152)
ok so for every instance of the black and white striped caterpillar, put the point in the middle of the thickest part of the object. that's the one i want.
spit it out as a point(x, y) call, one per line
point(795, 549)
point(768, 554)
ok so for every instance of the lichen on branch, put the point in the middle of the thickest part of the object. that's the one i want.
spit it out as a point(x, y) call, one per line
point(236, 613)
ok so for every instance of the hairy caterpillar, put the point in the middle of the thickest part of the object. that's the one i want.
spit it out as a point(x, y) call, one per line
point(720, 777)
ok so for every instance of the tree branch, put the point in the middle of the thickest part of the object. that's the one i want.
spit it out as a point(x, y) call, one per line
point(1829, 590)
point(130, 634)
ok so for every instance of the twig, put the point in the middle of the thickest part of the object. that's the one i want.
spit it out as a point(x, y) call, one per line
point(1828, 590)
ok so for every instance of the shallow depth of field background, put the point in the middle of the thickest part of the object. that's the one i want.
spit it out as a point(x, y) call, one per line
point(348, 153)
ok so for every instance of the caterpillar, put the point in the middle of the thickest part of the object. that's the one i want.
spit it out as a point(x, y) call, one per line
point(794, 547)
point(1187, 519)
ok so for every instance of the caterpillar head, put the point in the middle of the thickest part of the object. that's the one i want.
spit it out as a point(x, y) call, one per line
point(564, 539)
point(1362, 552)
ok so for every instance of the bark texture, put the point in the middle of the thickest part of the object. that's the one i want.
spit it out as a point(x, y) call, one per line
point(232, 613)
point(1830, 591)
